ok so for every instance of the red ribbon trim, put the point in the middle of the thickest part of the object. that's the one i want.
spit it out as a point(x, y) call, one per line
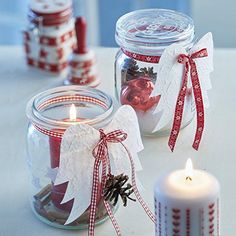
point(100, 153)
point(141, 57)
point(189, 63)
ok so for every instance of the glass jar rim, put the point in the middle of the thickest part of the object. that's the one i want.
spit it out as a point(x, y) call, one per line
point(57, 95)
point(152, 30)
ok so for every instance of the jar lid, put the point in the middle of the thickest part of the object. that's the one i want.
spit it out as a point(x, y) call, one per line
point(49, 6)
point(50, 12)
point(151, 30)
point(52, 19)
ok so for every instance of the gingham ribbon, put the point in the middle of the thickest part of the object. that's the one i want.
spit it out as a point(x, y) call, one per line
point(100, 153)
point(58, 133)
point(188, 62)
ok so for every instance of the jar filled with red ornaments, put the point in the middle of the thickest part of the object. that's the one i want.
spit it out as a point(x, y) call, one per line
point(49, 37)
point(143, 36)
point(50, 113)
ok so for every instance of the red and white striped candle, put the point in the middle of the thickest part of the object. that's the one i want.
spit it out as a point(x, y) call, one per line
point(187, 203)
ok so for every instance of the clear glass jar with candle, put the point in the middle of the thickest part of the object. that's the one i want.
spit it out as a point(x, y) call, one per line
point(142, 36)
point(50, 113)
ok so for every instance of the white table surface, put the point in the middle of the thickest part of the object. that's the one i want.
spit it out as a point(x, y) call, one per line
point(217, 151)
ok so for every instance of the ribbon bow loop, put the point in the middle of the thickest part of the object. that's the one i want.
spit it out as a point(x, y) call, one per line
point(100, 150)
point(115, 136)
point(199, 54)
point(183, 59)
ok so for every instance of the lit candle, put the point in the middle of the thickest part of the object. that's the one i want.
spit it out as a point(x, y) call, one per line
point(187, 203)
point(55, 142)
point(58, 191)
point(72, 113)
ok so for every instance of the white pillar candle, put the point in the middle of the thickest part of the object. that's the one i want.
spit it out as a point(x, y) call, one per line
point(187, 203)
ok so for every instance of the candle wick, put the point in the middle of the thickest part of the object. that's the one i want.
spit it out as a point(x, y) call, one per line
point(188, 178)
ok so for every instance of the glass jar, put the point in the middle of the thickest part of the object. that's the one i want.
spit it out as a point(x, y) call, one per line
point(142, 36)
point(48, 114)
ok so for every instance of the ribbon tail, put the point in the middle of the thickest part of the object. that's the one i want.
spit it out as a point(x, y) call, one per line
point(112, 218)
point(136, 192)
point(106, 204)
point(179, 110)
point(104, 173)
point(199, 105)
point(93, 206)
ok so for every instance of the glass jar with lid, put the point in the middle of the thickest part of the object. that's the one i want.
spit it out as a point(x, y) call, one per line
point(49, 35)
point(50, 113)
point(143, 36)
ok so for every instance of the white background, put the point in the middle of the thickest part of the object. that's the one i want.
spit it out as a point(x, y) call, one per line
point(217, 16)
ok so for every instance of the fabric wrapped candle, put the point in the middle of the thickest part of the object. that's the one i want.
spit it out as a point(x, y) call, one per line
point(187, 203)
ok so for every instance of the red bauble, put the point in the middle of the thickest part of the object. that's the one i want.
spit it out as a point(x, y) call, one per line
point(137, 93)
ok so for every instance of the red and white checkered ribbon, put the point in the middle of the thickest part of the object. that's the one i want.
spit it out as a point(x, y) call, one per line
point(58, 133)
point(189, 63)
point(100, 153)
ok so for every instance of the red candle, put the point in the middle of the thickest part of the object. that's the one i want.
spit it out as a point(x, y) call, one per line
point(80, 29)
point(58, 191)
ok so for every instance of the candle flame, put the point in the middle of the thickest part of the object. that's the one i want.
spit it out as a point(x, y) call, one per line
point(72, 113)
point(189, 169)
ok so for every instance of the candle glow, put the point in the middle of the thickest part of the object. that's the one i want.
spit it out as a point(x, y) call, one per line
point(189, 170)
point(72, 113)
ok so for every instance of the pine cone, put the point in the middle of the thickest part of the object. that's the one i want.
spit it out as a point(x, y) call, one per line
point(115, 187)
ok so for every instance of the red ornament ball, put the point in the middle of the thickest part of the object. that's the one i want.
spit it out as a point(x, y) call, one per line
point(137, 93)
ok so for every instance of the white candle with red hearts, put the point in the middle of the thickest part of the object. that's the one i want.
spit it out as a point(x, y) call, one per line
point(187, 203)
